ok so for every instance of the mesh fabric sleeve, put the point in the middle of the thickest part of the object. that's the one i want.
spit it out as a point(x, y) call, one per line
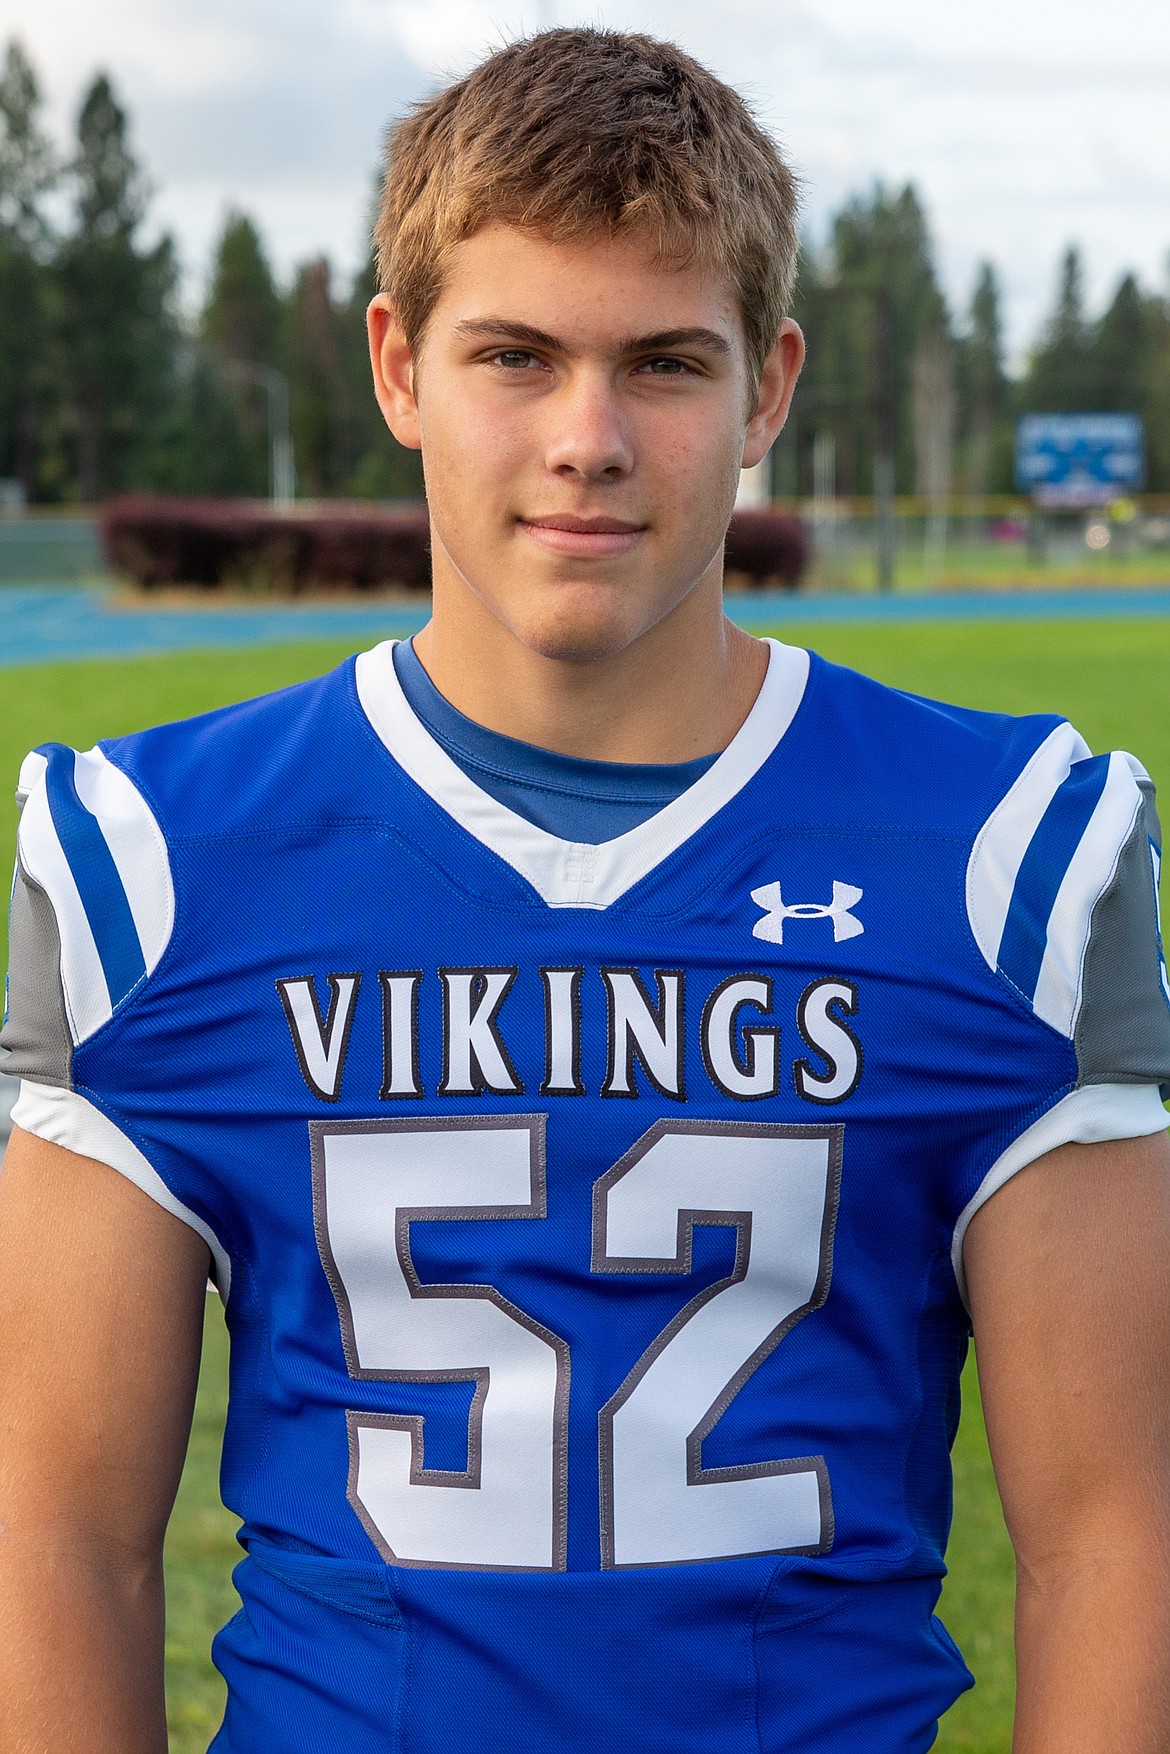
point(1062, 897)
point(92, 912)
point(92, 907)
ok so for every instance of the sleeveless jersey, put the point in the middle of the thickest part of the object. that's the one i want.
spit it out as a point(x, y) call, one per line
point(589, 1218)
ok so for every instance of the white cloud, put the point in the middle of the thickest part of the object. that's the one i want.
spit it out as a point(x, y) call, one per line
point(1024, 123)
point(446, 36)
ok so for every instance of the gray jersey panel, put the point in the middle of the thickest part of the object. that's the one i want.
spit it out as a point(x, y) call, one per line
point(1123, 1030)
point(36, 1031)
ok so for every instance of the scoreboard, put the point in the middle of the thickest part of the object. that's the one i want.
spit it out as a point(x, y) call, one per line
point(1079, 459)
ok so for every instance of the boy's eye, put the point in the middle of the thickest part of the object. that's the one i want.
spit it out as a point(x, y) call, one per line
point(667, 367)
point(513, 358)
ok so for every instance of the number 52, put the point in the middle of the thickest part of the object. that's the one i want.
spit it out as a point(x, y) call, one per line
point(508, 1510)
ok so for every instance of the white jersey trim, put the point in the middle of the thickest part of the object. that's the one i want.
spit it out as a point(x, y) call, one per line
point(32, 772)
point(1092, 868)
point(1089, 1116)
point(1007, 834)
point(137, 848)
point(139, 853)
point(570, 873)
point(63, 1117)
point(83, 981)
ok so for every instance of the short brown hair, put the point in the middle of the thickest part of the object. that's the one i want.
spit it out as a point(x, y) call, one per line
point(575, 133)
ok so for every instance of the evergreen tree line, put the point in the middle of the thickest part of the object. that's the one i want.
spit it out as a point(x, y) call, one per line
point(105, 386)
point(882, 341)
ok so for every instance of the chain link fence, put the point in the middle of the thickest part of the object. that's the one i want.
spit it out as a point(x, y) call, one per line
point(992, 544)
point(49, 551)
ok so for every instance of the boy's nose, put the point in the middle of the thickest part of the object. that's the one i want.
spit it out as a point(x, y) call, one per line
point(586, 435)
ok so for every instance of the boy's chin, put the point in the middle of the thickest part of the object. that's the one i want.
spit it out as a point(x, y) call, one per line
point(582, 621)
point(578, 631)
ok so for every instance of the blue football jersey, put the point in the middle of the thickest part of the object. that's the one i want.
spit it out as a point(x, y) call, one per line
point(589, 1218)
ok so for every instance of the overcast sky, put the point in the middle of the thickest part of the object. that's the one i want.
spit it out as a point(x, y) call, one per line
point(1024, 123)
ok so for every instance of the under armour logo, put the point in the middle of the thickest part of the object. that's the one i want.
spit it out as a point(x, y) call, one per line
point(771, 927)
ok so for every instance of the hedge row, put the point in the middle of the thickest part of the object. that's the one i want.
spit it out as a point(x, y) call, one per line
point(768, 548)
point(243, 545)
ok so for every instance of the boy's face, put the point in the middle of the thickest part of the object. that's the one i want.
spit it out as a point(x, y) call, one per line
point(583, 414)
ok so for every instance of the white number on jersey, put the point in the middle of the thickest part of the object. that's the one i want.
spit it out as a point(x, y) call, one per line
point(777, 1186)
point(372, 1179)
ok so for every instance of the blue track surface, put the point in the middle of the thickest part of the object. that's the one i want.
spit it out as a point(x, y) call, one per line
point(42, 622)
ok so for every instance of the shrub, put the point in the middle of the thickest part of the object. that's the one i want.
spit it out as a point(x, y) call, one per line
point(248, 545)
point(768, 548)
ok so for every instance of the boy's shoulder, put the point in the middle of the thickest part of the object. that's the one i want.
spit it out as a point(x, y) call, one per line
point(255, 763)
point(104, 833)
point(1059, 850)
point(901, 761)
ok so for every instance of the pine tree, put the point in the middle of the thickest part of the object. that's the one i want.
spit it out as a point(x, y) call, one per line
point(835, 392)
point(119, 331)
point(27, 172)
point(983, 343)
point(1059, 377)
point(311, 349)
point(241, 317)
point(199, 446)
point(984, 390)
point(1121, 352)
point(868, 307)
point(240, 326)
point(28, 166)
point(341, 441)
point(1158, 396)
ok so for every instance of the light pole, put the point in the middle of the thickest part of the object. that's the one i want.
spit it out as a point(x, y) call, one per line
point(884, 423)
point(281, 464)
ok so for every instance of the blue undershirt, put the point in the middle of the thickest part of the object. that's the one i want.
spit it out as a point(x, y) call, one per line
point(575, 799)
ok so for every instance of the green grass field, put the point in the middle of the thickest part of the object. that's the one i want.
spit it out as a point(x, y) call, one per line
point(1113, 679)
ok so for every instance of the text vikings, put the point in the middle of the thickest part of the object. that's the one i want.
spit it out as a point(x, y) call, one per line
point(645, 1034)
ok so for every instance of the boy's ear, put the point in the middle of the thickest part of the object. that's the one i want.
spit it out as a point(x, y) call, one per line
point(777, 382)
point(392, 363)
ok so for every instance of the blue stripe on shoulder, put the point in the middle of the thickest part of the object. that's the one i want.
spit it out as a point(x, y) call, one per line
point(96, 876)
point(1041, 873)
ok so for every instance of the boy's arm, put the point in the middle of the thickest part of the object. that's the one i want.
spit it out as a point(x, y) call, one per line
point(1068, 1269)
point(101, 1306)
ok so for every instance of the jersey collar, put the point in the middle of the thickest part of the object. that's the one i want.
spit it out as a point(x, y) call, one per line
point(572, 873)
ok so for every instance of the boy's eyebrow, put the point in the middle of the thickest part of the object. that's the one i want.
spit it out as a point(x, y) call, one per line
point(492, 328)
point(662, 341)
point(666, 340)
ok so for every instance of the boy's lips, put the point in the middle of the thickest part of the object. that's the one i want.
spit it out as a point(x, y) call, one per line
point(583, 537)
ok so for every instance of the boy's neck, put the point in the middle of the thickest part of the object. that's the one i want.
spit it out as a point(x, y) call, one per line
point(681, 690)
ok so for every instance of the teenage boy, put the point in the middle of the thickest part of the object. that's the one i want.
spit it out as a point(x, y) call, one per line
point(603, 1059)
